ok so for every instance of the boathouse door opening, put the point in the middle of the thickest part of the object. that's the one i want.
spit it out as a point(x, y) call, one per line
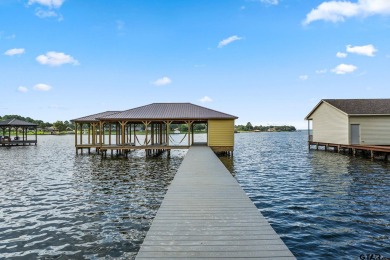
point(355, 134)
point(199, 133)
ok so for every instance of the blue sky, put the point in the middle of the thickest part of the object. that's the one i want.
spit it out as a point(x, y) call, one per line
point(266, 61)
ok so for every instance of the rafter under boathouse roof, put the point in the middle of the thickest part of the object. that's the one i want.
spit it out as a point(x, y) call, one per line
point(168, 111)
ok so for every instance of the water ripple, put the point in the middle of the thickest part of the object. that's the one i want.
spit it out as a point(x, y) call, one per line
point(55, 204)
point(324, 205)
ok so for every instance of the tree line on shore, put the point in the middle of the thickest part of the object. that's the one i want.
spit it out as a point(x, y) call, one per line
point(66, 125)
point(249, 127)
point(62, 126)
point(59, 125)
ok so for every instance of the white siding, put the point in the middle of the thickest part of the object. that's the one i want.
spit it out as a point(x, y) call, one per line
point(374, 130)
point(330, 125)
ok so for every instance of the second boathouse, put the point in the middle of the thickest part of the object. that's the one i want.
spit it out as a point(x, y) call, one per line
point(351, 122)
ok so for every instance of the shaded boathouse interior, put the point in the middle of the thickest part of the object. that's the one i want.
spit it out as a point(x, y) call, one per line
point(149, 127)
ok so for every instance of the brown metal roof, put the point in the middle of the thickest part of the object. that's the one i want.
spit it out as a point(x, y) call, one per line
point(167, 111)
point(16, 122)
point(93, 118)
point(355, 107)
point(362, 106)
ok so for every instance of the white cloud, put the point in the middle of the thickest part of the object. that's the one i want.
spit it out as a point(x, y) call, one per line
point(205, 99)
point(42, 87)
point(344, 69)
point(304, 77)
point(47, 3)
point(53, 58)
point(45, 13)
point(322, 71)
point(162, 81)
point(16, 51)
point(229, 40)
point(47, 10)
point(270, 2)
point(367, 50)
point(22, 89)
point(338, 11)
point(341, 55)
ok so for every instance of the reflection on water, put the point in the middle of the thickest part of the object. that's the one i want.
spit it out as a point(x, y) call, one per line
point(324, 205)
point(54, 203)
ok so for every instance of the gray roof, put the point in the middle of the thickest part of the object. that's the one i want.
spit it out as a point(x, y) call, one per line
point(93, 118)
point(16, 122)
point(167, 111)
point(362, 106)
point(354, 107)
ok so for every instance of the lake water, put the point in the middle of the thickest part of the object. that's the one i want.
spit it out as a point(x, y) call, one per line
point(55, 204)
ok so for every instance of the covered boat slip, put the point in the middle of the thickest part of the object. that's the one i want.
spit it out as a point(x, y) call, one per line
point(206, 214)
point(149, 128)
point(20, 130)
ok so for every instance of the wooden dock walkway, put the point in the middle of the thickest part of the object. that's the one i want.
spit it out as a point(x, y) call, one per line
point(206, 214)
point(373, 150)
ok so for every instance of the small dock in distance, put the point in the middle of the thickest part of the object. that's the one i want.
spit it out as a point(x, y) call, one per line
point(206, 214)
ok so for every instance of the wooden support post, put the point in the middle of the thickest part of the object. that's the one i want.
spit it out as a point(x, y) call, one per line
point(123, 124)
point(353, 151)
point(109, 134)
point(167, 126)
point(103, 133)
point(100, 133)
point(116, 134)
point(189, 124)
point(372, 154)
point(192, 133)
point(146, 124)
point(152, 134)
point(89, 133)
point(161, 133)
point(81, 135)
point(135, 143)
point(93, 133)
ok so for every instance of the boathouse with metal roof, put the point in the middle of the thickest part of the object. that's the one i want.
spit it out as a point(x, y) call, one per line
point(17, 127)
point(351, 121)
point(117, 130)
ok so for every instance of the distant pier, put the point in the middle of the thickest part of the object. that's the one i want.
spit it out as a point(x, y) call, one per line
point(206, 214)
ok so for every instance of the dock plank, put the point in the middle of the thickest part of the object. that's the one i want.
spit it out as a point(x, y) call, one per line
point(206, 214)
